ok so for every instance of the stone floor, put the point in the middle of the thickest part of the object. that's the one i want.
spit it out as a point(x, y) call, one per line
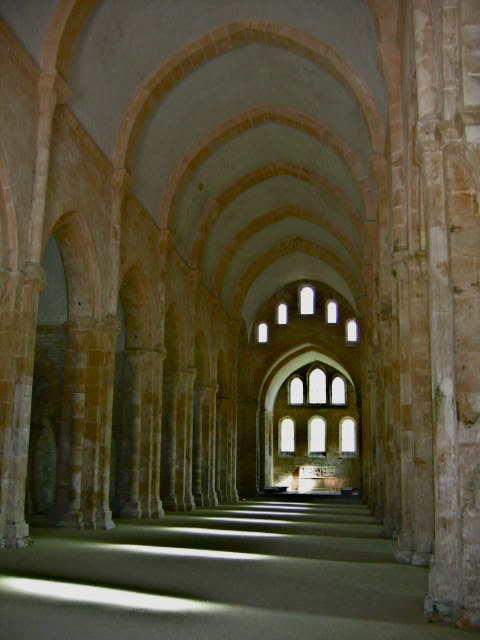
point(273, 568)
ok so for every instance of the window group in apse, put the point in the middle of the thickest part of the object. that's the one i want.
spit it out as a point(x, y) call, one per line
point(306, 307)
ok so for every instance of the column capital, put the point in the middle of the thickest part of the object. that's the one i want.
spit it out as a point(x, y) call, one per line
point(52, 88)
point(35, 275)
point(109, 324)
point(121, 183)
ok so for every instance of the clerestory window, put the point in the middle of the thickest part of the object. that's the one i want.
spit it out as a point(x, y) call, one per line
point(262, 333)
point(295, 391)
point(332, 312)
point(352, 331)
point(307, 300)
point(282, 313)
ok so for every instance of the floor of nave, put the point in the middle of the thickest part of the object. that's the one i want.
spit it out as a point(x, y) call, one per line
point(279, 567)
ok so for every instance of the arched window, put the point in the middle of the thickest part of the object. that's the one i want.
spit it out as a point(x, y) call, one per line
point(282, 313)
point(262, 333)
point(317, 432)
point(317, 386)
point(352, 331)
point(332, 312)
point(286, 436)
point(348, 436)
point(295, 391)
point(307, 300)
point(339, 391)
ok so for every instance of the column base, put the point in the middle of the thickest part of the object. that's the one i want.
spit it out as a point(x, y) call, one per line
point(132, 509)
point(436, 611)
point(70, 520)
point(170, 503)
point(404, 549)
point(185, 503)
point(403, 555)
point(210, 501)
point(16, 535)
point(199, 500)
point(102, 519)
point(156, 508)
point(421, 558)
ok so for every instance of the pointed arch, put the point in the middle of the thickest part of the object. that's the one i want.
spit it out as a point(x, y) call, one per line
point(63, 31)
point(80, 262)
point(258, 176)
point(133, 293)
point(353, 281)
point(227, 38)
point(246, 121)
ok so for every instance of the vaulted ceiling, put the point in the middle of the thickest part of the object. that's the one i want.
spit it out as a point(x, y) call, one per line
point(247, 126)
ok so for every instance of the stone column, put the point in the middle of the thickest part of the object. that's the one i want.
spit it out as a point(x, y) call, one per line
point(146, 434)
point(19, 298)
point(405, 537)
point(232, 468)
point(133, 509)
point(157, 358)
point(9, 283)
point(183, 478)
point(210, 493)
point(221, 450)
point(68, 506)
point(247, 449)
point(444, 593)
point(17, 434)
point(169, 441)
point(98, 427)
point(198, 444)
point(423, 528)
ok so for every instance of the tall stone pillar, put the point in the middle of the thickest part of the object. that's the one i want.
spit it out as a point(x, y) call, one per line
point(231, 470)
point(405, 542)
point(9, 283)
point(19, 297)
point(444, 593)
point(157, 360)
point(247, 449)
point(98, 426)
point(169, 441)
point(133, 509)
point(221, 450)
point(210, 493)
point(198, 443)
point(423, 516)
point(184, 439)
point(146, 434)
point(68, 504)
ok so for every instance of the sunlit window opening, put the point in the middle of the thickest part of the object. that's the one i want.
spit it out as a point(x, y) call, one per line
point(348, 442)
point(307, 300)
point(332, 312)
point(295, 391)
point(282, 313)
point(317, 386)
point(262, 333)
point(317, 431)
point(287, 435)
point(352, 331)
point(339, 391)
